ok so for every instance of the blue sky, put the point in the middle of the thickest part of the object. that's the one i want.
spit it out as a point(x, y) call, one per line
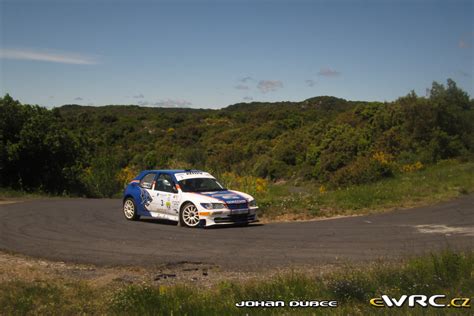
point(214, 53)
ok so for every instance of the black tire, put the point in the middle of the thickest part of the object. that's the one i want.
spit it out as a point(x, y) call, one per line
point(129, 209)
point(189, 216)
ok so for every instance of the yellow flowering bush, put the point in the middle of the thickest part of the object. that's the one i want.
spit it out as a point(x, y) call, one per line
point(412, 167)
point(322, 189)
point(382, 158)
point(125, 175)
point(248, 184)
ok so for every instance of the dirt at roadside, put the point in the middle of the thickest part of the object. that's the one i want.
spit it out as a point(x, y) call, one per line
point(3, 201)
point(19, 267)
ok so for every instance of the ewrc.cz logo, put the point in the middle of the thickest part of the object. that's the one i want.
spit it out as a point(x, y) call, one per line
point(421, 300)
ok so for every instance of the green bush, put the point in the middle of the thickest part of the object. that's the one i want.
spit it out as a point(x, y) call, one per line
point(362, 170)
point(101, 177)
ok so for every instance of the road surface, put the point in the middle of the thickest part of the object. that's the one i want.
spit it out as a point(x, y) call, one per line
point(95, 231)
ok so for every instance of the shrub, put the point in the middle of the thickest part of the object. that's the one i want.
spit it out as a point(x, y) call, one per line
point(248, 184)
point(363, 170)
point(126, 174)
point(412, 167)
point(100, 178)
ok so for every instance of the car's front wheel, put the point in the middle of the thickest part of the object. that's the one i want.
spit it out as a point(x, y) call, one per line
point(189, 215)
point(130, 210)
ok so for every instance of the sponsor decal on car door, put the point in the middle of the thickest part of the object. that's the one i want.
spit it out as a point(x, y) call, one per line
point(147, 195)
point(166, 194)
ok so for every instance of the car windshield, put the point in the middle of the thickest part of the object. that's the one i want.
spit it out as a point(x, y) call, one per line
point(201, 185)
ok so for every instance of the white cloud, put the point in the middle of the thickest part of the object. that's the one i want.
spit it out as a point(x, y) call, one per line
point(78, 99)
point(168, 103)
point(63, 58)
point(310, 82)
point(269, 85)
point(464, 44)
point(464, 74)
point(328, 72)
point(246, 79)
point(466, 40)
point(241, 87)
point(138, 96)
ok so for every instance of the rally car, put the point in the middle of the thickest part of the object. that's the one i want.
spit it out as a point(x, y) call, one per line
point(193, 198)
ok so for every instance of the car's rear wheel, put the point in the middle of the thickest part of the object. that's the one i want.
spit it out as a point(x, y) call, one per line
point(189, 215)
point(130, 210)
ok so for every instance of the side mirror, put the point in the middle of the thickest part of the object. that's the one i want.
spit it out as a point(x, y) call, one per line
point(146, 185)
point(174, 189)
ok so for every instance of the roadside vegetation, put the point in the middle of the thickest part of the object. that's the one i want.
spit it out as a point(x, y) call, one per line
point(305, 200)
point(7, 194)
point(449, 273)
point(319, 157)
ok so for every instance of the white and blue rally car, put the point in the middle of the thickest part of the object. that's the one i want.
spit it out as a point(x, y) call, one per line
point(190, 197)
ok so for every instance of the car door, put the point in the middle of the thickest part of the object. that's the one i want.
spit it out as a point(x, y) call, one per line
point(148, 197)
point(167, 194)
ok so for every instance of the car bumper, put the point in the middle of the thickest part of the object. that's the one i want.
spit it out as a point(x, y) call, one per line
point(231, 217)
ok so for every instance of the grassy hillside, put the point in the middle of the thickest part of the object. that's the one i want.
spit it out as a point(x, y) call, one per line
point(301, 201)
point(328, 142)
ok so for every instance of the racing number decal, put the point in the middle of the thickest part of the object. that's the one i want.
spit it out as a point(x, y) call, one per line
point(167, 204)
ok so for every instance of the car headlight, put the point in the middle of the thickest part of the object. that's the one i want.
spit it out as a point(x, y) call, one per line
point(213, 206)
point(252, 203)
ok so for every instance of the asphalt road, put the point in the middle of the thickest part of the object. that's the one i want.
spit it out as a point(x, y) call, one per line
point(95, 231)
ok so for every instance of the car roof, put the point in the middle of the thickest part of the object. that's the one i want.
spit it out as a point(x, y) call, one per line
point(172, 171)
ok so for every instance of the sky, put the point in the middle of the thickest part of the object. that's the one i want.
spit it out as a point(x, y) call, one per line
point(210, 54)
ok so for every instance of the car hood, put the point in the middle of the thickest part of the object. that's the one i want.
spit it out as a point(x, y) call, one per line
point(229, 197)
